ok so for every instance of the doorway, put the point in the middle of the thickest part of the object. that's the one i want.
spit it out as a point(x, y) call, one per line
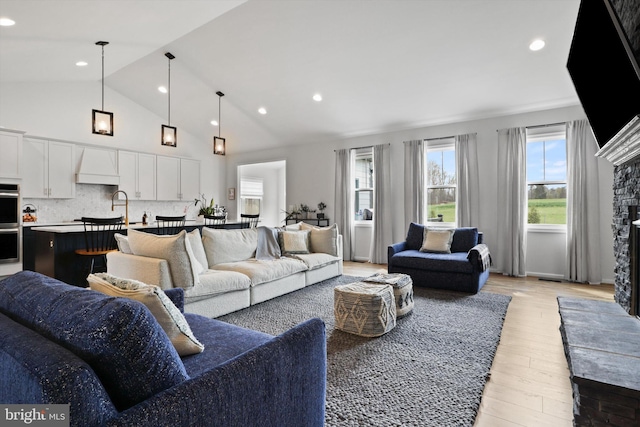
point(262, 189)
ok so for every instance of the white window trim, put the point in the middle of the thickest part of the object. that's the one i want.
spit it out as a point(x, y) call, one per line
point(546, 134)
point(439, 144)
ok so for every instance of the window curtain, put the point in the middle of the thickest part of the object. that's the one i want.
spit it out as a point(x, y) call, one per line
point(468, 204)
point(342, 203)
point(583, 205)
point(512, 201)
point(414, 172)
point(382, 220)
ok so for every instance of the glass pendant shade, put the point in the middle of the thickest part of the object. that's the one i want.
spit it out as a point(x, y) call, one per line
point(169, 136)
point(102, 121)
point(218, 145)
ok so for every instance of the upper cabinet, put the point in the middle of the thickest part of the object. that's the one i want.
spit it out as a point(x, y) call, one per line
point(11, 158)
point(51, 169)
point(177, 179)
point(137, 175)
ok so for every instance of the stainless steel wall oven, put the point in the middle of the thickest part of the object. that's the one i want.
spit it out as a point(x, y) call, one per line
point(9, 223)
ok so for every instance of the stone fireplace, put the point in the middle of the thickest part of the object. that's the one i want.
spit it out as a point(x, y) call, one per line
point(626, 210)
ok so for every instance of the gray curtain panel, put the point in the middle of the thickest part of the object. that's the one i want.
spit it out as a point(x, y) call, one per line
point(382, 219)
point(468, 201)
point(583, 205)
point(512, 201)
point(342, 203)
point(414, 173)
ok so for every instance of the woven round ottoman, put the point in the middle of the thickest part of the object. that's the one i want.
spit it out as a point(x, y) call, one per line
point(402, 290)
point(364, 309)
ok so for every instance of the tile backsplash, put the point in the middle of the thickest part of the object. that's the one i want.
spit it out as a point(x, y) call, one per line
point(95, 201)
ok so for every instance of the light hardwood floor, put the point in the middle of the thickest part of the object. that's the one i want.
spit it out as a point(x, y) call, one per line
point(529, 383)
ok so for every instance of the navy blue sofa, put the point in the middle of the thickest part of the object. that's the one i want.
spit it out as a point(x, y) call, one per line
point(459, 270)
point(112, 362)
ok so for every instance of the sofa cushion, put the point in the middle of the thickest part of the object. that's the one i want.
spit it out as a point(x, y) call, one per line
point(294, 242)
point(117, 337)
point(223, 246)
point(437, 240)
point(455, 262)
point(323, 239)
point(260, 271)
point(464, 239)
point(415, 236)
point(174, 248)
point(215, 282)
point(317, 260)
point(165, 312)
point(195, 240)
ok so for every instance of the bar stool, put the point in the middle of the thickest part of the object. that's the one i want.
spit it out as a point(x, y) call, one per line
point(99, 238)
point(170, 224)
point(249, 221)
point(215, 221)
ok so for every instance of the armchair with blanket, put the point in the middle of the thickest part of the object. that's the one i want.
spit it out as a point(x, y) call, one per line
point(447, 259)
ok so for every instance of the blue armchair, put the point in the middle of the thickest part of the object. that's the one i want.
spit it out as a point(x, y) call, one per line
point(461, 270)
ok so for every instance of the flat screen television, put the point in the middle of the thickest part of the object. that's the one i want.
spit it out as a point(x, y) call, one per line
point(603, 64)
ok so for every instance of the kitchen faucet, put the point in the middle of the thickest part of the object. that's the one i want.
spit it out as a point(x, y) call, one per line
point(126, 205)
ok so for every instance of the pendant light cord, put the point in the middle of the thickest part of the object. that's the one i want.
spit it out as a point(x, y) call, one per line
point(169, 93)
point(102, 77)
point(219, 122)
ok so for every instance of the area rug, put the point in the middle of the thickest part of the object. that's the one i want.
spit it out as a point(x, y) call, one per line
point(430, 370)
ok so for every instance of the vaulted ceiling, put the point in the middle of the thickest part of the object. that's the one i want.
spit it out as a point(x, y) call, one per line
point(379, 65)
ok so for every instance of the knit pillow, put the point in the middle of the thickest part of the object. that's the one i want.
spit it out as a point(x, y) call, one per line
point(294, 242)
point(165, 311)
point(322, 239)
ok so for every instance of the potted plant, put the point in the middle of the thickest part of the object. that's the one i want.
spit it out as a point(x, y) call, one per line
point(305, 211)
point(205, 208)
point(321, 207)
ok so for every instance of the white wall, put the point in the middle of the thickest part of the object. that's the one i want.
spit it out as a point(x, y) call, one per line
point(310, 179)
point(63, 111)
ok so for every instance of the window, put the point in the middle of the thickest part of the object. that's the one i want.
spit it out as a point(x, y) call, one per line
point(441, 181)
point(547, 175)
point(363, 175)
point(251, 191)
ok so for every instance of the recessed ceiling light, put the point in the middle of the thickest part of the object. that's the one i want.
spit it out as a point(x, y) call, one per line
point(82, 63)
point(537, 45)
point(317, 97)
point(262, 110)
point(162, 89)
point(214, 122)
point(6, 22)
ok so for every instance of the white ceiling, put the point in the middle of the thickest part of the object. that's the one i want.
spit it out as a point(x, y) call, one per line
point(379, 65)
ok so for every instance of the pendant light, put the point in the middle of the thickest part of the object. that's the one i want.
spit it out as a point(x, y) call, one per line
point(169, 133)
point(218, 142)
point(102, 121)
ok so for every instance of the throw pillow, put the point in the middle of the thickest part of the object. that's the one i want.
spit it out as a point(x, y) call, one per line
point(322, 239)
point(173, 248)
point(165, 311)
point(123, 243)
point(415, 236)
point(437, 240)
point(195, 240)
point(294, 242)
point(223, 246)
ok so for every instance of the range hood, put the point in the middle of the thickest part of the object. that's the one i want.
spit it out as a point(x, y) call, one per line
point(98, 166)
point(624, 147)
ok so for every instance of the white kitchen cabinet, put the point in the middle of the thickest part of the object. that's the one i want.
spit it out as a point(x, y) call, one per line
point(137, 175)
point(177, 179)
point(11, 158)
point(49, 169)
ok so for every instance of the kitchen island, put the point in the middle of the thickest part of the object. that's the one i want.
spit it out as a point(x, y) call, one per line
point(50, 249)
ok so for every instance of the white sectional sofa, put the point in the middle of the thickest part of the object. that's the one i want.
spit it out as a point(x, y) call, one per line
point(222, 271)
